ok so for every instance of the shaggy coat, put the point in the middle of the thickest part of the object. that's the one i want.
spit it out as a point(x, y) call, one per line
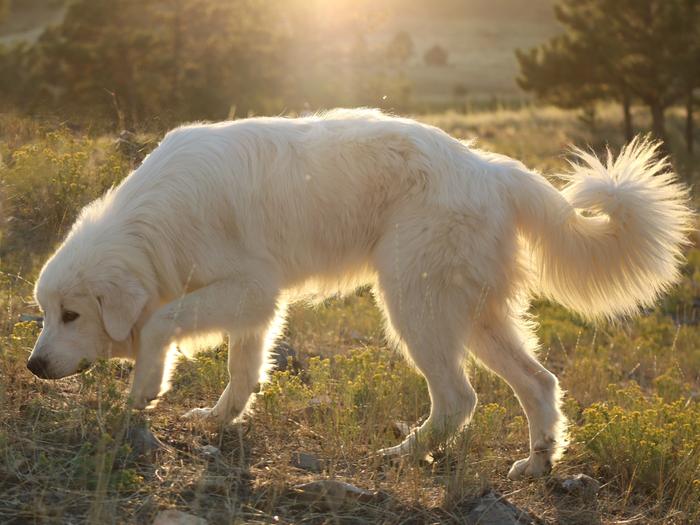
point(224, 224)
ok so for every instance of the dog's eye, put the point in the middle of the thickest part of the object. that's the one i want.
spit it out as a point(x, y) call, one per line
point(69, 316)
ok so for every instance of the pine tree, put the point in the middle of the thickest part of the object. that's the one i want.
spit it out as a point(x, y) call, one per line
point(686, 50)
point(131, 61)
point(436, 56)
point(400, 49)
point(624, 50)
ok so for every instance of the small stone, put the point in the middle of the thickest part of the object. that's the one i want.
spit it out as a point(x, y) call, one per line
point(307, 461)
point(143, 441)
point(176, 517)
point(210, 452)
point(580, 485)
point(492, 508)
point(333, 493)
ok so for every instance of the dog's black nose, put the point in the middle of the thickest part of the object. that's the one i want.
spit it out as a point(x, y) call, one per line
point(38, 367)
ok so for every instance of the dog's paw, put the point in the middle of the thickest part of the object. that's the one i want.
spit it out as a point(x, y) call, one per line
point(142, 397)
point(198, 414)
point(527, 468)
point(391, 451)
point(141, 402)
point(205, 417)
point(406, 447)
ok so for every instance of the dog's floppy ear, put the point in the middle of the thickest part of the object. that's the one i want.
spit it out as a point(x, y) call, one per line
point(121, 302)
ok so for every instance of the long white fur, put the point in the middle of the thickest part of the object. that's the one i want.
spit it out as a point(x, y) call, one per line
point(224, 224)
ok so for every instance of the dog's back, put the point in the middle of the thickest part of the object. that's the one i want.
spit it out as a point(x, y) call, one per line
point(312, 196)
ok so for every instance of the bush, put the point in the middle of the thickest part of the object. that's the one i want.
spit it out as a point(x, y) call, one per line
point(351, 398)
point(48, 181)
point(645, 445)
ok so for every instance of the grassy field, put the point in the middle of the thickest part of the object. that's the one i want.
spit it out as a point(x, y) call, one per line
point(632, 388)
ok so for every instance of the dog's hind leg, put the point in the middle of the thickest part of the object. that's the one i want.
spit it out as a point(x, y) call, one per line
point(431, 328)
point(248, 363)
point(241, 305)
point(507, 348)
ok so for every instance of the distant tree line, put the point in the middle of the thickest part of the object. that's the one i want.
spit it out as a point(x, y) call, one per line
point(130, 62)
point(628, 51)
point(126, 59)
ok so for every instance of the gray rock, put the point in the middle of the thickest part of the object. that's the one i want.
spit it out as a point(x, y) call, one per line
point(493, 509)
point(143, 441)
point(332, 493)
point(580, 485)
point(210, 452)
point(176, 517)
point(307, 461)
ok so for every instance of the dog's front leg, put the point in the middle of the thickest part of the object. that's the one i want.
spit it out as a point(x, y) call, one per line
point(241, 305)
point(246, 364)
point(151, 352)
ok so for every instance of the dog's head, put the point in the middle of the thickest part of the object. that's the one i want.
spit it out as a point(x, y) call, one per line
point(89, 313)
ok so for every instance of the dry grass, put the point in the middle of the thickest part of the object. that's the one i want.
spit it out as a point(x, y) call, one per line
point(65, 456)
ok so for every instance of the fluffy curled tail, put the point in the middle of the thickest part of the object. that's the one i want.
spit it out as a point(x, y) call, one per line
point(611, 240)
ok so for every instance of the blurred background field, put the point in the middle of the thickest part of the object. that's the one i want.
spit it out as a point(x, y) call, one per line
point(87, 88)
point(342, 37)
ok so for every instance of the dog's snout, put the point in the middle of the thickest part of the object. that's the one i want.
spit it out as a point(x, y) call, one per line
point(38, 366)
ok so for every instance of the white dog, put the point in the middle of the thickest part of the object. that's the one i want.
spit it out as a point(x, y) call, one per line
point(224, 224)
